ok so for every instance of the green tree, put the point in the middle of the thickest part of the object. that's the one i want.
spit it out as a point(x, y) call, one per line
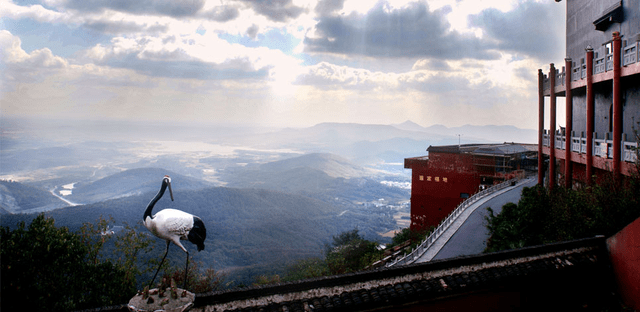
point(413, 236)
point(93, 236)
point(199, 282)
point(262, 280)
point(306, 268)
point(45, 268)
point(350, 252)
point(543, 216)
point(130, 246)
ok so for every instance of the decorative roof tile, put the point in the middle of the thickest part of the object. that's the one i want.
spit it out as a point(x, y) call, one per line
point(425, 282)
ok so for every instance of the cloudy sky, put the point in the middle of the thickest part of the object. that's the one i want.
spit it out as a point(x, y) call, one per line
point(280, 62)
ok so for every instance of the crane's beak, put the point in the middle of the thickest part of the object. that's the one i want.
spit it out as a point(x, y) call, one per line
point(170, 191)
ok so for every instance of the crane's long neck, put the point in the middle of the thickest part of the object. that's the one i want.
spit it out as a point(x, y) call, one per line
point(147, 213)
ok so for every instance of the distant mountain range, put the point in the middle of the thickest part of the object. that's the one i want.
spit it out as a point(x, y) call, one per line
point(319, 175)
point(130, 182)
point(363, 144)
point(332, 179)
point(18, 197)
point(345, 133)
point(270, 212)
point(332, 165)
point(481, 134)
point(370, 143)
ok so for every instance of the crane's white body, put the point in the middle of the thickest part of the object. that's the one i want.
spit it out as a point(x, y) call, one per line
point(171, 225)
point(174, 225)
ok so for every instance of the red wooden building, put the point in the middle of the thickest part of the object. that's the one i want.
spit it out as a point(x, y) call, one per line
point(600, 84)
point(452, 173)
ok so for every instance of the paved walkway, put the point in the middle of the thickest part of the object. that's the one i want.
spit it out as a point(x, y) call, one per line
point(468, 234)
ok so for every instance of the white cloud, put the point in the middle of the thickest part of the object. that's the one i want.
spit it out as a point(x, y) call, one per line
point(531, 28)
point(411, 31)
point(193, 56)
point(35, 12)
point(23, 66)
point(329, 76)
point(425, 76)
point(140, 7)
point(353, 61)
point(475, 92)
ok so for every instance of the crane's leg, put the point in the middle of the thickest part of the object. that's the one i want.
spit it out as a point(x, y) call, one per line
point(186, 271)
point(158, 270)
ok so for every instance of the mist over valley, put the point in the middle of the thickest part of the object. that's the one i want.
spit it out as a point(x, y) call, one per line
point(267, 196)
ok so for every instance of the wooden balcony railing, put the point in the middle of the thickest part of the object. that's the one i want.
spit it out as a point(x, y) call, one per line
point(602, 63)
point(602, 147)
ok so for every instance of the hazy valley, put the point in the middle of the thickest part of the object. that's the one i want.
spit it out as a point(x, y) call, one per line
point(268, 196)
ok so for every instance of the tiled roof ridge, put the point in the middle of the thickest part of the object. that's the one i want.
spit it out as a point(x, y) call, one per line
point(476, 148)
point(332, 286)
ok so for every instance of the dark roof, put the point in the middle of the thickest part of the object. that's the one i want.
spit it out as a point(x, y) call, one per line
point(561, 276)
point(547, 266)
point(485, 149)
point(612, 14)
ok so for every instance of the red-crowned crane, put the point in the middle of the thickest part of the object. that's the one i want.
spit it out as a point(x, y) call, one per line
point(173, 225)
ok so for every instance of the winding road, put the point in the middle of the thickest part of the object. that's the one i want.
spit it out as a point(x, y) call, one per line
point(70, 203)
point(470, 236)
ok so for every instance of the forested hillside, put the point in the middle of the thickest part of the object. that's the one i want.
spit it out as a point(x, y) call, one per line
point(130, 182)
point(333, 165)
point(323, 176)
point(256, 230)
point(277, 205)
point(17, 197)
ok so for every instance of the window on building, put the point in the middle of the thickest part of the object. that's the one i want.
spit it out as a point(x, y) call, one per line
point(608, 48)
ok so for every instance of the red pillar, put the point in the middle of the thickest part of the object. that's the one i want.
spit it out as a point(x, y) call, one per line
point(552, 126)
point(540, 126)
point(590, 108)
point(617, 107)
point(568, 172)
